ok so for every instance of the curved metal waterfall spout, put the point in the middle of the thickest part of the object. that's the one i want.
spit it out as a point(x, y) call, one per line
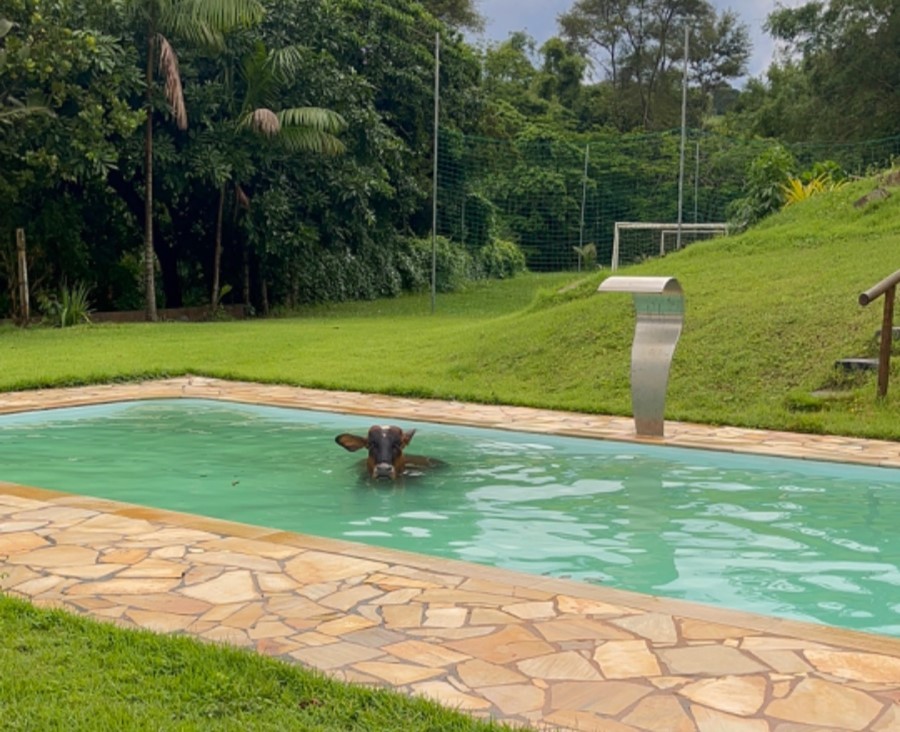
point(659, 310)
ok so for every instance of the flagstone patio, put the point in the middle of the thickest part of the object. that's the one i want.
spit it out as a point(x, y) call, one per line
point(552, 653)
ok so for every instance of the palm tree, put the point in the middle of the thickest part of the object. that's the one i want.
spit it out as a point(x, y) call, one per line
point(310, 129)
point(202, 22)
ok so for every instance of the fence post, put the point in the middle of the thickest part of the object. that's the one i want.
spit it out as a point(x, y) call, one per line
point(886, 287)
point(23, 276)
point(587, 153)
point(887, 331)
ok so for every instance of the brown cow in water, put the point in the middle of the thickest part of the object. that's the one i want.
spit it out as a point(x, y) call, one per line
point(385, 445)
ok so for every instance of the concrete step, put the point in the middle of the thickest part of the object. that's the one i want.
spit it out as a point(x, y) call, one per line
point(895, 334)
point(857, 364)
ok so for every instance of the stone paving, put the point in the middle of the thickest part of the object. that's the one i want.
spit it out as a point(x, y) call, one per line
point(554, 654)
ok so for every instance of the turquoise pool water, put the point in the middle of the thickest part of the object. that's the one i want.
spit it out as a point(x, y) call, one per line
point(800, 539)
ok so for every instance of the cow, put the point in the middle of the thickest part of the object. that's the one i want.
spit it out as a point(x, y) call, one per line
point(385, 445)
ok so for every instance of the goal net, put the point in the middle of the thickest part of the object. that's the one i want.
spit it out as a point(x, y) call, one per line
point(634, 241)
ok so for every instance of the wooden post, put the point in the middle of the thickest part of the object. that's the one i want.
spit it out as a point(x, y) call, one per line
point(887, 330)
point(23, 277)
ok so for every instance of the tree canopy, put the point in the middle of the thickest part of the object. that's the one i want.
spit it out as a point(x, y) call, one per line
point(636, 46)
point(847, 51)
point(185, 152)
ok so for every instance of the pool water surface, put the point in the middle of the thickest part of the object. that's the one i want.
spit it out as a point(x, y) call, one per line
point(794, 538)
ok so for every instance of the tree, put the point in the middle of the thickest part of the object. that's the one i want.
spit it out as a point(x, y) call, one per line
point(201, 22)
point(459, 14)
point(561, 74)
point(847, 49)
point(318, 228)
point(719, 50)
point(779, 106)
point(11, 107)
point(261, 75)
point(65, 88)
point(510, 74)
point(57, 69)
point(637, 45)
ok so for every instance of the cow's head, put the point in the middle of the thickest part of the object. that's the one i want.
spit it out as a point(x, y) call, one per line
point(385, 446)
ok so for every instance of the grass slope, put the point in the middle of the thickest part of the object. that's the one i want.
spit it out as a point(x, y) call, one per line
point(767, 314)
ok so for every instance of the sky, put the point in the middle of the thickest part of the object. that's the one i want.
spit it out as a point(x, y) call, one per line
point(538, 19)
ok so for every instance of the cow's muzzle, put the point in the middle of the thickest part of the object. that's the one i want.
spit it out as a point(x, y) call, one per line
point(384, 470)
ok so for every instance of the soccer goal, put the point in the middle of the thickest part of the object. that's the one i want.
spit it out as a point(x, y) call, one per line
point(636, 240)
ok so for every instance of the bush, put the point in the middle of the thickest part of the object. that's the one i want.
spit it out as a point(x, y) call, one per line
point(797, 190)
point(480, 220)
point(587, 256)
point(500, 260)
point(413, 261)
point(821, 178)
point(454, 265)
point(766, 178)
point(329, 276)
point(70, 307)
point(772, 184)
point(402, 264)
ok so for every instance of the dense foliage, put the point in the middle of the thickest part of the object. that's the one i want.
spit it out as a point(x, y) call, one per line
point(279, 152)
point(841, 78)
point(639, 46)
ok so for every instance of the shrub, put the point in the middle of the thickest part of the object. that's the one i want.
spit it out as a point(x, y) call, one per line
point(587, 256)
point(821, 178)
point(454, 265)
point(329, 276)
point(69, 307)
point(772, 184)
point(796, 190)
point(480, 220)
point(500, 260)
point(414, 264)
point(764, 193)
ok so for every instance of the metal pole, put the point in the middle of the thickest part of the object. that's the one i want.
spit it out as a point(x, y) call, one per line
point(434, 196)
point(684, 84)
point(696, 180)
point(614, 265)
point(587, 153)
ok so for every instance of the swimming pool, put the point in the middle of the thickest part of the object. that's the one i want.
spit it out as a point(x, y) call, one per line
point(799, 539)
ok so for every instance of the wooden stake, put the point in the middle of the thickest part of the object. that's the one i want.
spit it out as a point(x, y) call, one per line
point(23, 277)
point(887, 330)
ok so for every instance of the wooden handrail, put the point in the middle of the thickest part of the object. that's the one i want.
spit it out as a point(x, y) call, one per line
point(888, 288)
point(876, 290)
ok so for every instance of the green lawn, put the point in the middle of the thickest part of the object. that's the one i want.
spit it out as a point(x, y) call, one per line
point(767, 314)
point(63, 673)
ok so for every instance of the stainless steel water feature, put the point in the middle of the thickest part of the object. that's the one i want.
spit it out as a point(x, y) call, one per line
point(659, 307)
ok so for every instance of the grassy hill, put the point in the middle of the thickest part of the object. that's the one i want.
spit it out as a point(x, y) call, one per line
point(767, 314)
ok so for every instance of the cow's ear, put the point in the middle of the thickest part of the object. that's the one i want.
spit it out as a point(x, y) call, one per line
point(407, 437)
point(351, 442)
